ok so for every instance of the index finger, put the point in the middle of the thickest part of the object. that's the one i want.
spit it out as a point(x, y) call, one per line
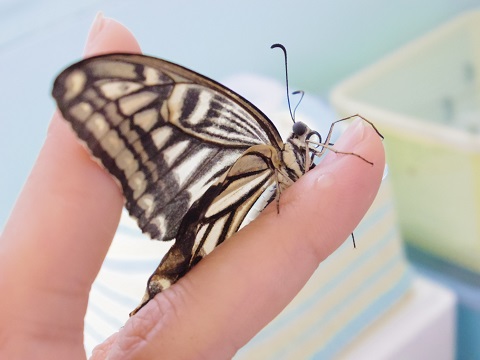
point(54, 243)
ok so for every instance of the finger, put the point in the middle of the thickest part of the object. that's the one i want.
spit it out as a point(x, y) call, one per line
point(59, 231)
point(235, 291)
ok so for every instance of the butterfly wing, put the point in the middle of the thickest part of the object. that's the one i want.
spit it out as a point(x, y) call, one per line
point(165, 133)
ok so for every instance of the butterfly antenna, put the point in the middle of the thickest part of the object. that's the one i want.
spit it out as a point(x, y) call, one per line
point(302, 93)
point(286, 78)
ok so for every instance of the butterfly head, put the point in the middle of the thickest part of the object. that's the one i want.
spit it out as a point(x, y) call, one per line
point(305, 141)
point(302, 132)
point(299, 128)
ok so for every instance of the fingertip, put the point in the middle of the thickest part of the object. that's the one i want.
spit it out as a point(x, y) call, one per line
point(108, 36)
point(362, 141)
point(337, 193)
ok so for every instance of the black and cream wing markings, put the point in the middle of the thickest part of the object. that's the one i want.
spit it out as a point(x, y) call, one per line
point(164, 132)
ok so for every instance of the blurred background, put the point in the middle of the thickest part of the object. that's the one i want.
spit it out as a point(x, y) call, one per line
point(329, 43)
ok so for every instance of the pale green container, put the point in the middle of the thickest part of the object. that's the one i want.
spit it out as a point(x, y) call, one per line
point(425, 99)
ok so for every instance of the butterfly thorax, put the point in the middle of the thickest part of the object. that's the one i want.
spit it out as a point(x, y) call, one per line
point(295, 155)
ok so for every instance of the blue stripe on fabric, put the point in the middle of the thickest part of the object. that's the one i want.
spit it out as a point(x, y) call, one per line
point(97, 337)
point(119, 297)
point(347, 333)
point(112, 321)
point(132, 266)
point(377, 308)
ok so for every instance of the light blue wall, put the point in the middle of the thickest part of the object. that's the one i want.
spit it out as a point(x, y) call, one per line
point(327, 41)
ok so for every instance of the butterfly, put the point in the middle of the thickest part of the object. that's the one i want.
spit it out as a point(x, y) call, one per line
point(191, 156)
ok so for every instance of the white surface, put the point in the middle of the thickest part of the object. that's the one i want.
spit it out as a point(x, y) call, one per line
point(421, 326)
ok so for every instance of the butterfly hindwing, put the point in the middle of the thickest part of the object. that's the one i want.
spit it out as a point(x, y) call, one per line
point(166, 133)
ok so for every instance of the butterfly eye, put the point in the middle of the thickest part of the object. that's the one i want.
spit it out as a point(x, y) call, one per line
point(299, 128)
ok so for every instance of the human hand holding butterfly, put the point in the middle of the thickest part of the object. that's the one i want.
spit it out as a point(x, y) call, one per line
point(53, 247)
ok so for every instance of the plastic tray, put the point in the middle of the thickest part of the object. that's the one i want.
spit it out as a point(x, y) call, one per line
point(425, 99)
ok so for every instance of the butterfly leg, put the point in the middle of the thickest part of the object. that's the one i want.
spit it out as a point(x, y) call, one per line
point(277, 191)
point(329, 135)
point(282, 182)
point(326, 145)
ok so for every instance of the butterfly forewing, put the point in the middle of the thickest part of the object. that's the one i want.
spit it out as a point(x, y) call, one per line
point(166, 133)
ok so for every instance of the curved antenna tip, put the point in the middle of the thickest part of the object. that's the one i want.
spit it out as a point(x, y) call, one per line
point(286, 77)
point(277, 45)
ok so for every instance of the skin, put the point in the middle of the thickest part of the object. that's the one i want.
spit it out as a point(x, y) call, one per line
point(53, 246)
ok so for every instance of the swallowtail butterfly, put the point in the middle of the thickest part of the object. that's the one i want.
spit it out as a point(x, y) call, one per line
point(191, 156)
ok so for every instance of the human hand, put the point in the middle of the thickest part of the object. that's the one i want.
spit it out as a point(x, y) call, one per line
point(53, 246)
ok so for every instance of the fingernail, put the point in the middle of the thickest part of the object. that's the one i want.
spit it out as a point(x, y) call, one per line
point(96, 28)
point(353, 135)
